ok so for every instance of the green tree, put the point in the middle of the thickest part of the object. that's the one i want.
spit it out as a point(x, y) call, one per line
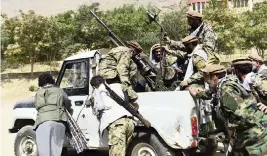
point(127, 22)
point(226, 24)
point(87, 31)
point(130, 23)
point(175, 24)
point(68, 34)
point(7, 32)
point(29, 35)
point(254, 28)
point(58, 35)
point(15, 55)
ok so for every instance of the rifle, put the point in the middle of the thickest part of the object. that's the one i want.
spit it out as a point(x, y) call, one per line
point(148, 72)
point(143, 66)
point(127, 106)
point(111, 35)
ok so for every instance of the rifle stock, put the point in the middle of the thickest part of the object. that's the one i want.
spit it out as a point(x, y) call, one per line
point(127, 106)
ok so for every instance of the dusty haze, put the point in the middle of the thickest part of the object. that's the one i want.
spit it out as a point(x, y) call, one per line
point(52, 7)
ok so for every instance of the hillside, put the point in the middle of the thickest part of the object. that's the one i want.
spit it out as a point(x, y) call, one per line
point(52, 7)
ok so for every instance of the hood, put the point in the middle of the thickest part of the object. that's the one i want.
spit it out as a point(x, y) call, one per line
point(28, 103)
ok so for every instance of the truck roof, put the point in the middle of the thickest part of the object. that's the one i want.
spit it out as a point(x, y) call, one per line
point(87, 54)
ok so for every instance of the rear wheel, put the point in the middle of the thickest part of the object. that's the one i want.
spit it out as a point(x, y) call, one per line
point(146, 144)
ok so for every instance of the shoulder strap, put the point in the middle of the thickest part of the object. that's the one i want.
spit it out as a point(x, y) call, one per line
point(200, 30)
point(240, 88)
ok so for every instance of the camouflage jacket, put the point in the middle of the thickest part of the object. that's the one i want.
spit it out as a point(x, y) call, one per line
point(208, 94)
point(241, 112)
point(207, 37)
point(199, 58)
point(118, 62)
point(258, 87)
point(262, 70)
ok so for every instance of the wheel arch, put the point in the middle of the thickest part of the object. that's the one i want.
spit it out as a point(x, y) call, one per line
point(19, 123)
point(141, 131)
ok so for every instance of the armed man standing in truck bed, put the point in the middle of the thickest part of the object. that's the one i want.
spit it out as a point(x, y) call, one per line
point(118, 67)
point(207, 37)
point(197, 61)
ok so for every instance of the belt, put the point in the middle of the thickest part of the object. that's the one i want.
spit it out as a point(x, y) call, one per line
point(114, 80)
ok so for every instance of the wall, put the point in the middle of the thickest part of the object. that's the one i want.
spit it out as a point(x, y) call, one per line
point(197, 5)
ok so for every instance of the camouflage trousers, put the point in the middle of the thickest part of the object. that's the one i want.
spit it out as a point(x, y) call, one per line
point(259, 148)
point(120, 134)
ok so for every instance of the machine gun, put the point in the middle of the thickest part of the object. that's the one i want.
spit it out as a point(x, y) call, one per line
point(152, 17)
point(127, 106)
point(143, 66)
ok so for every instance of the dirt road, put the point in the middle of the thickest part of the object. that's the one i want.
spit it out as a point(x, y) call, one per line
point(7, 139)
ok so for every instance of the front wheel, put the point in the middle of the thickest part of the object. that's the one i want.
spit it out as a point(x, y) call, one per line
point(148, 145)
point(25, 142)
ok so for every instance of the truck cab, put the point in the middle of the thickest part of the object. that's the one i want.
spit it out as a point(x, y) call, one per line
point(172, 114)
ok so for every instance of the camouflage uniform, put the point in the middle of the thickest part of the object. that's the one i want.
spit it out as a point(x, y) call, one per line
point(197, 61)
point(207, 37)
point(259, 88)
point(118, 63)
point(262, 69)
point(240, 110)
point(120, 134)
point(171, 60)
point(255, 83)
point(111, 116)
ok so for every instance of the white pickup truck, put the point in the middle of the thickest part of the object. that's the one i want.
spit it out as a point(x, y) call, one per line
point(173, 115)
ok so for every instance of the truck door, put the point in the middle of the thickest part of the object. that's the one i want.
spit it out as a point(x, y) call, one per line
point(74, 80)
point(87, 120)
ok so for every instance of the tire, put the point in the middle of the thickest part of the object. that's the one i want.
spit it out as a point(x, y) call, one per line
point(148, 144)
point(25, 142)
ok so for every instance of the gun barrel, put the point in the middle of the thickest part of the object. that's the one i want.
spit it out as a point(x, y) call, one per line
point(99, 20)
point(111, 35)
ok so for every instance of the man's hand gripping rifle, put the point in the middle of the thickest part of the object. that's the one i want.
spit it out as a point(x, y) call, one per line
point(143, 66)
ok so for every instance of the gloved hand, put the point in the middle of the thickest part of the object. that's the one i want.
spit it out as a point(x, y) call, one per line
point(132, 96)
